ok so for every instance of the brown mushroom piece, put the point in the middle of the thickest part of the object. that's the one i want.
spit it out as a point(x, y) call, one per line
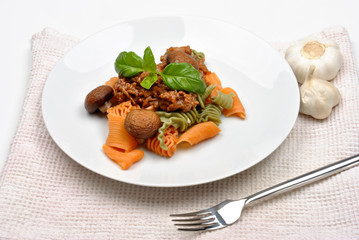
point(142, 124)
point(178, 56)
point(98, 97)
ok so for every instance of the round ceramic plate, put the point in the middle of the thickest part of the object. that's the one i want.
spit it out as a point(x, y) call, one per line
point(263, 80)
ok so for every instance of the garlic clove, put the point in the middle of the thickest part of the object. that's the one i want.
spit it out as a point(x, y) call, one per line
point(323, 54)
point(318, 99)
point(318, 96)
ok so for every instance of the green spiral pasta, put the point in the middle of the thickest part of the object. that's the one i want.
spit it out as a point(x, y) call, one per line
point(198, 55)
point(180, 120)
point(202, 97)
point(224, 100)
point(161, 132)
point(184, 120)
point(211, 112)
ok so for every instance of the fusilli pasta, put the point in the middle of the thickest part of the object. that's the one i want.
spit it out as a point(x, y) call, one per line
point(224, 100)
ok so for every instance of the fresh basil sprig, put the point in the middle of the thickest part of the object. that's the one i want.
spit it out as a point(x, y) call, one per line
point(183, 76)
point(149, 63)
point(128, 64)
point(177, 76)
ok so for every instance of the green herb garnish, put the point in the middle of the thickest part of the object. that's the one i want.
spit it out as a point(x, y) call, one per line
point(149, 80)
point(177, 76)
point(128, 64)
point(182, 76)
point(149, 63)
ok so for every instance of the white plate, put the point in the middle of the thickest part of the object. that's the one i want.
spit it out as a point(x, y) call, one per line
point(262, 78)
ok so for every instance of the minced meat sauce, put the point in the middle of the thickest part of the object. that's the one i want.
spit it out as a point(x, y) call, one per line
point(159, 96)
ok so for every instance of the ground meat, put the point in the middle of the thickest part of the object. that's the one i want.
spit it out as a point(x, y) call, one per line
point(159, 97)
point(177, 99)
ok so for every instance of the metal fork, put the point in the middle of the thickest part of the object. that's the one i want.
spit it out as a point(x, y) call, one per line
point(229, 211)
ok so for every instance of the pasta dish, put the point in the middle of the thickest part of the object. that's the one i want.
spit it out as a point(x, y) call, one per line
point(159, 106)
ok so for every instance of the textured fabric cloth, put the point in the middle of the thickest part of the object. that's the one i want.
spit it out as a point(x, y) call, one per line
point(46, 195)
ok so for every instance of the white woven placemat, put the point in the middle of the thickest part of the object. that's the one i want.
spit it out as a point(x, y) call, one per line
point(46, 195)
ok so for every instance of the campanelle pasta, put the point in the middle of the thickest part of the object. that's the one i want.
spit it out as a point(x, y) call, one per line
point(170, 137)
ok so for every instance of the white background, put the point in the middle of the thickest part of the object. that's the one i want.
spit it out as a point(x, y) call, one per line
point(275, 20)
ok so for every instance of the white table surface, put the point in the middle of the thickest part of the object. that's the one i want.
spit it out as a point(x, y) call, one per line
point(275, 20)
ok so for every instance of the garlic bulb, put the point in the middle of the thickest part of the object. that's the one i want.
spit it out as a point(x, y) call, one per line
point(324, 54)
point(317, 96)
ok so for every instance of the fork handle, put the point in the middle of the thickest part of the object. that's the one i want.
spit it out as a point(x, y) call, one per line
point(304, 179)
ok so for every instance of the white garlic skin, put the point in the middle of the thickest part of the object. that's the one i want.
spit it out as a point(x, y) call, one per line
point(318, 97)
point(325, 57)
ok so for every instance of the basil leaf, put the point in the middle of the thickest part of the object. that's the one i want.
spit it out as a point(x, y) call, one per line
point(149, 80)
point(128, 64)
point(183, 76)
point(149, 63)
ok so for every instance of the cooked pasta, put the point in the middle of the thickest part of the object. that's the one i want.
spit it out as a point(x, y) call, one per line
point(199, 133)
point(212, 112)
point(117, 135)
point(224, 100)
point(214, 80)
point(112, 81)
point(124, 159)
point(170, 137)
point(184, 120)
point(179, 120)
point(237, 108)
point(202, 97)
point(122, 109)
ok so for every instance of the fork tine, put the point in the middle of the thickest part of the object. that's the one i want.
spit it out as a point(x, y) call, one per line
point(202, 213)
point(193, 219)
point(196, 223)
point(202, 227)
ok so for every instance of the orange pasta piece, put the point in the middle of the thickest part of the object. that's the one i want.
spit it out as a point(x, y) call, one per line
point(122, 109)
point(112, 81)
point(214, 80)
point(170, 139)
point(120, 145)
point(199, 133)
point(237, 107)
point(118, 137)
point(124, 159)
